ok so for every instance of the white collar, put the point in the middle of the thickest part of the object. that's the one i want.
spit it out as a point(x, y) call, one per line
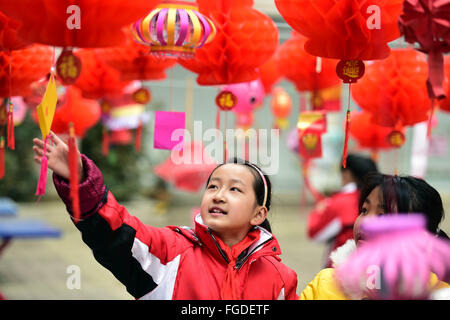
point(349, 187)
point(342, 253)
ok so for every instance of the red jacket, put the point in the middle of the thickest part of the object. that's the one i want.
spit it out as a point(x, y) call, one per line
point(174, 262)
point(332, 219)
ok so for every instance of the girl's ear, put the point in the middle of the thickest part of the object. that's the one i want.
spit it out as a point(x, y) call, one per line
point(259, 216)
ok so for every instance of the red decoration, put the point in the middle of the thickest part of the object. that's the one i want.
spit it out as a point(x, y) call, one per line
point(142, 96)
point(8, 34)
point(134, 61)
point(68, 67)
point(27, 65)
point(97, 79)
point(350, 70)
point(311, 125)
point(74, 174)
point(370, 135)
point(245, 39)
point(75, 23)
point(394, 89)
point(428, 23)
point(226, 100)
point(300, 67)
point(83, 113)
point(345, 30)
point(270, 74)
point(281, 106)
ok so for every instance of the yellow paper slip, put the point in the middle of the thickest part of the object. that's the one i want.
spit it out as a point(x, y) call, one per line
point(46, 109)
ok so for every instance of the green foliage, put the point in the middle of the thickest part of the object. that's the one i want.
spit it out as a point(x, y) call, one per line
point(21, 172)
point(120, 168)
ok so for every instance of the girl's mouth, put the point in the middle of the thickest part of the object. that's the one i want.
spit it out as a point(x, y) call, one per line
point(216, 211)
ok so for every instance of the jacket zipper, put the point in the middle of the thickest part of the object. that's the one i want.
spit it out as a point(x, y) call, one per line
point(240, 263)
point(218, 247)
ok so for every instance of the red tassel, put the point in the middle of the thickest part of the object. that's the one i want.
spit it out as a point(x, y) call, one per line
point(11, 140)
point(105, 142)
point(2, 157)
point(42, 182)
point(345, 153)
point(347, 127)
point(74, 176)
point(139, 137)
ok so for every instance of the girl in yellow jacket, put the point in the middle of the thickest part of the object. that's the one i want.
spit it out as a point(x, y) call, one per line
point(383, 194)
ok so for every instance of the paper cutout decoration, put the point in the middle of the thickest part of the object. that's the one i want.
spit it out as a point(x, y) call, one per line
point(46, 109)
point(165, 124)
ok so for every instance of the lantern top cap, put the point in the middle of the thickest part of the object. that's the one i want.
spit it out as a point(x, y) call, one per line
point(174, 4)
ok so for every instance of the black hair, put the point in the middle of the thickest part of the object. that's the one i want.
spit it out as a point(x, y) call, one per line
point(403, 194)
point(359, 166)
point(258, 186)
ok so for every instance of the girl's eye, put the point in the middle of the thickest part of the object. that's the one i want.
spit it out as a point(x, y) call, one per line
point(211, 186)
point(235, 189)
point(363, 211)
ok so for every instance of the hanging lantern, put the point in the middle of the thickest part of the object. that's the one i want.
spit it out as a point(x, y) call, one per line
point(8, 34)
point(75, 23)
point(20, 69)
point(372, 136)
point(133, 61)
point(245, 40)
point(97, 79)
point(394, 89)
point(68, 67)
point(269, 73)
point(82, 113)
point(281, 106)
point(174, 28)
point(299, 67)
point(427, 23)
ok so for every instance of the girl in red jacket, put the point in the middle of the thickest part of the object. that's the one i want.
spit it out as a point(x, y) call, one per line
point(231, 253)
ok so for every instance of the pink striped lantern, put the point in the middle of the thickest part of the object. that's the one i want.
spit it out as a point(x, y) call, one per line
point(174, 28)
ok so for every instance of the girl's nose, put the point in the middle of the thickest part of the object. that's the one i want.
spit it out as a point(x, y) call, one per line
point(219, 196)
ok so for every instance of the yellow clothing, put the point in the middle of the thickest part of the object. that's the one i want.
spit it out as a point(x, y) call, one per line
point(325, 287)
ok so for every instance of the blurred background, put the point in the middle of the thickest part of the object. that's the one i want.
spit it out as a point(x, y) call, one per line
point(37, 268)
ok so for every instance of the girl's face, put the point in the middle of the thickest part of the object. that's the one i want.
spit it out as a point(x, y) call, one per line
point(229, 205)
point(373, 206)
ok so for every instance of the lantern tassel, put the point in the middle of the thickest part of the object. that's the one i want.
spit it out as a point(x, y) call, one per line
point(73, 171)
point(347, 127)
point(138, 141)
point(105, 142)
point(11, 140)
point(2, 157)
point(42, 182)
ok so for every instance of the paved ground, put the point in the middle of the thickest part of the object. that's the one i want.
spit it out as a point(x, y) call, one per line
point(37, 269)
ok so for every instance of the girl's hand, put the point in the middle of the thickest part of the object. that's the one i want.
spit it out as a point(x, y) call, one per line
point(57, 156)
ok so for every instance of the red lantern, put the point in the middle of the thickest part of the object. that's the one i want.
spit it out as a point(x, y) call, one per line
point(281, 107)
point(83, 113)
point(345, 30)
point(370, 135)
point(8, 34)
point(245, 39)
point(97, 79)
point(134, 61)
point(75, 23)
point(300, 67)
point(394, 90)
point(270, 74)
point(27, 65)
